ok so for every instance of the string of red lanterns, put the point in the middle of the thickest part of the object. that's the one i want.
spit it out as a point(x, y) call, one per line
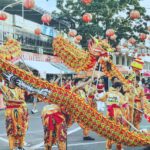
point(113, 37)
point(86, 2)
point(29, 4)
point(132, 40)
point(37, 31)
point(79, 37)
point(46, 18)
point(3, 16)
point(87, 17)
point(134, 14)
point(110, 32)
point(143, 36)
point(72, 33)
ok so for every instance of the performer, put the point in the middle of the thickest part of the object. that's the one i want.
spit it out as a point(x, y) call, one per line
point(130, 94)
point(137, 117)
point(16, 116)
point(114, 101)
point(55, 127)
point(100, 93)
point(81, 89)
point(90, 96)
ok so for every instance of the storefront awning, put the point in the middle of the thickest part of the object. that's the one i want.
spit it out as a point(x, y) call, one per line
point(146, 74)
point(43, 67)
point(61, 66)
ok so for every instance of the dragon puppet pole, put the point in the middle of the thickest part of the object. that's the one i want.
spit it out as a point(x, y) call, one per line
point(26, 65)
point(98, 75)
point(92, 79)
point(131, 124)
point(4, 93)
point(136, 108)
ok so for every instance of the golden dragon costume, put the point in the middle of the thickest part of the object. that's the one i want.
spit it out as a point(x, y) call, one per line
point(75, 105)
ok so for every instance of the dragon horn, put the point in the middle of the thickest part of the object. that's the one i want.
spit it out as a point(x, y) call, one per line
point(95, 39)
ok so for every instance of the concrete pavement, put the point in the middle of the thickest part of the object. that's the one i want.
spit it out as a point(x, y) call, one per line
point(75, 142)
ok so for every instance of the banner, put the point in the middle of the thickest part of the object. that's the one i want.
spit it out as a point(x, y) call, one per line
point(48, 30)
point(39, 57)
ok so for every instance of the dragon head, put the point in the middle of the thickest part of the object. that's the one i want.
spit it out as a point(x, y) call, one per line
point(99, 47)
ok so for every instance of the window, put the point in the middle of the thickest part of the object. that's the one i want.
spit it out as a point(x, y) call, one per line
point(123, 60)
point(117, 60)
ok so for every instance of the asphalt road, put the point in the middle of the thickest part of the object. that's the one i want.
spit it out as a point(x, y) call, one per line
point(75, 139)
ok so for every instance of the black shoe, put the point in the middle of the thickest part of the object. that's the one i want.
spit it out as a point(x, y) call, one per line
point(19, 148)
point(88, 138)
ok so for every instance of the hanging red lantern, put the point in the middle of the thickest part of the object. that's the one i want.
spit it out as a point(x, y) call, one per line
point(46, 18)
point(134, 14)
point(132, 40)
point(139, 55)
point(79, 37)
point(143, 36)
point(76, 41)
point(37, 31)
point(86, 2)
point(29, 4)
point(87, 17)
point(72, 33)
point(110, 32)
point(113, 37)
point(3, 16)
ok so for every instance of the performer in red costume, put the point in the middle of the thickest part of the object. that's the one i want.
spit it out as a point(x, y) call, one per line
point(16, 116)
point(138, 103)
point(55, 127)
point(114, 101)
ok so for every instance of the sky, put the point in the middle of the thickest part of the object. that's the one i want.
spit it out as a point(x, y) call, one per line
point(50, 5)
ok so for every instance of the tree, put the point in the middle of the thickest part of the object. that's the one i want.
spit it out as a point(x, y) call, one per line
point(106, 14)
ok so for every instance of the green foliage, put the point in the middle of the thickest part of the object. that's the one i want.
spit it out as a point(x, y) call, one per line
point(106, 14)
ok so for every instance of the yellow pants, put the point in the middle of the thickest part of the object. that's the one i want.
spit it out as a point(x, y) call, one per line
point(16, 142)
point(61, 146)
point(16, 123)
point(109, 145)
point(116, 118)
point(137, 119)
point(85, 132)
point(131, 111)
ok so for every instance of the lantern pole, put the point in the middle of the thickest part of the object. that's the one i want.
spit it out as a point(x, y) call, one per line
point(9, 5)
point(2, 32)
point(22, 12)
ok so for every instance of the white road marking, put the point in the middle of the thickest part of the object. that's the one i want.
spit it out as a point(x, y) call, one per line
point(4, 140)
point(83, 144)
point(28, 132)
point(42, 143)
point(91, 143)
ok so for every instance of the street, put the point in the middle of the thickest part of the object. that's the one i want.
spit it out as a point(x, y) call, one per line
point(74, 142)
